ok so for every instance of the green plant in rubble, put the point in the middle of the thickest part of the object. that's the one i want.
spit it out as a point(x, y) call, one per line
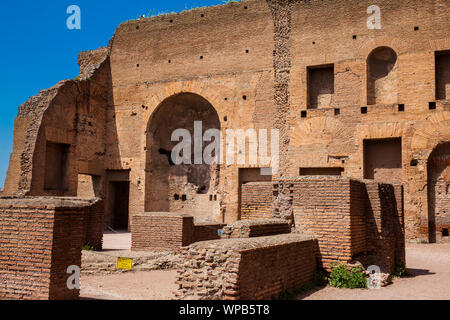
point(320, 278)
point(88, 247)
point(400, 269)
point(342, 277)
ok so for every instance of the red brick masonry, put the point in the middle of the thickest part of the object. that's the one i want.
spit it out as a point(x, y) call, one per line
point(169, 231)
point(39, 239)
point(245, 269)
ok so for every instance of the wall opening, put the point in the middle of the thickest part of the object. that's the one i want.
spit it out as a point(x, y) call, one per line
point(120, 190)
point(442, 59)
point(382, 78)
point(320, 86)
point(194, 183)
point(118, 199)
point(321, 171)
point(445, 232)
point(438, 170)
point(56, 166)
point(383, 160)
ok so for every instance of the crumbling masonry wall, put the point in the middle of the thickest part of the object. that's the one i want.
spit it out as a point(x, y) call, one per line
point(256, 228)
point(250, 61)
point(245, 269)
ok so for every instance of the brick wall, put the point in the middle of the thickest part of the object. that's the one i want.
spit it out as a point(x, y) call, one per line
point(381, 224)
point(207, 231)
point(94, 225)
point(256, 200)
point(399, 225)
point(245, 269)
point(169, 231)
point(39, 239)
point(332, 209)
point(256, 228)
point(352, 220)
point(161, 231)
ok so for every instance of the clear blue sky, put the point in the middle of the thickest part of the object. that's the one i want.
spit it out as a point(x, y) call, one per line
point(38, 50)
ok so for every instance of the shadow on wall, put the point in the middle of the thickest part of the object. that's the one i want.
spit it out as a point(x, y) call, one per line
point(384, 227)
point(439, 191)
point(382, 76)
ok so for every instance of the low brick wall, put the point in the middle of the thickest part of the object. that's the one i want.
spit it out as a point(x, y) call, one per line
point(39, 239)
point(94, 224)
point(161, 231)
point(256, 200)
point(207, 231)
point(245, 269)
point(351, 219)
point(256, 228)
point(332, 209)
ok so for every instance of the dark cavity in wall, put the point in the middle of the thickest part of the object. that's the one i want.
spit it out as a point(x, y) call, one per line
point(56, 166)
point(321, 171)
point(383, 160)
point(320, 86)
point(442, 59)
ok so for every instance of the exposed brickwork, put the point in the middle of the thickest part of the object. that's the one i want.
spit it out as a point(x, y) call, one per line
point(257, 200)
point(256, 228)
point(333, 210)
point(39, 240)
point(245, 269)
point(108, 116)
point(207, 231)
point(381, 225)
point(94, 225)
point(161, 231)
point(169, 231)
point(399, 216)
point(352, 220)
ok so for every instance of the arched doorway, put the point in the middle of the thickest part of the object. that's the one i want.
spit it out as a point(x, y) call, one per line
point(439, 191)
point(187, 188)
point(382, 80)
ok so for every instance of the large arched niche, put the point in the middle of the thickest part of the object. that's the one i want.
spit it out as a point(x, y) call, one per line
point(439, 191)
point(190, 189)
point(382, 77)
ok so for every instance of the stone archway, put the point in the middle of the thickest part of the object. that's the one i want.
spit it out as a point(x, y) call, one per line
point(186, 188)
point(439, 191)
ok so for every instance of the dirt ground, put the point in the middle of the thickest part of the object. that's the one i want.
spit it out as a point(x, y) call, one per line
point(429, 265)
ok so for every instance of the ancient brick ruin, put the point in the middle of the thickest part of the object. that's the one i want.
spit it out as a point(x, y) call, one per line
point(364, 130)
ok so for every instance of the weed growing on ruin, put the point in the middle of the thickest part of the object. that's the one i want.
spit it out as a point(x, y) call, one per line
point(400, 269)
point(341, 277)
point(88, 247)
